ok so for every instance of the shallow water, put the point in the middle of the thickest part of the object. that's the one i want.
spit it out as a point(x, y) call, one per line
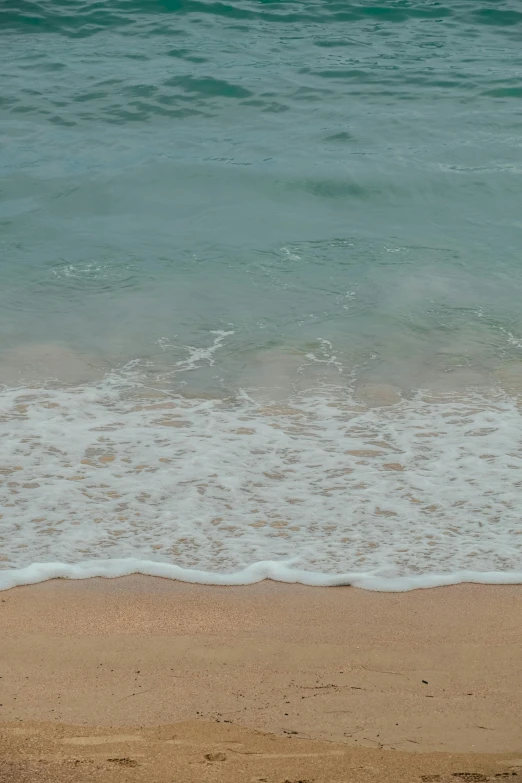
point(280, 220)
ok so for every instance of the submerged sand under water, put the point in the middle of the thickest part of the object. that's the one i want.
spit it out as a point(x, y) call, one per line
point(364, 481)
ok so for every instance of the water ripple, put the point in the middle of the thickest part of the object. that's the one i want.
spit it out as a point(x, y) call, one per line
point(137, 134)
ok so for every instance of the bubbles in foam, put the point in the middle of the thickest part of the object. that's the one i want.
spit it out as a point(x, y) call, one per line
point(195, 356)
point(107, 479)
point(514, 340)
point(325, 355)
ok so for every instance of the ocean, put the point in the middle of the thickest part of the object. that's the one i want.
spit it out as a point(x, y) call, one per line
point(260, 291)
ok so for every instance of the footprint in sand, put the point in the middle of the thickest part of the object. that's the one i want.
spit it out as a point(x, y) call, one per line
point(124, 762)
point(215, 757)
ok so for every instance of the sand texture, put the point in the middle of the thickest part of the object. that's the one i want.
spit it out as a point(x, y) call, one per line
point(191, 752)
point(147, 679)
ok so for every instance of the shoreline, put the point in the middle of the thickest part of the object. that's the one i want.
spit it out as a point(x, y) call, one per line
point(425, 671)
point(267, 570)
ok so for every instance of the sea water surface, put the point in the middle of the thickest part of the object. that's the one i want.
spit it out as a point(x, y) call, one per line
point(260, 294)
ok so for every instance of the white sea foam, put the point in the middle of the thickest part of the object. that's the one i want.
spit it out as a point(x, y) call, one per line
point(196, 356)
point(257, 572)
point(325, 355)
point(109, 478)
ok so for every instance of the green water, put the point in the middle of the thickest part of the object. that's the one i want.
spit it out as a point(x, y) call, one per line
point(285, 171)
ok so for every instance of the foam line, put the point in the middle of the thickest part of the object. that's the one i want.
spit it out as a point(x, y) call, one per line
point(257, 572)
point(418, 493)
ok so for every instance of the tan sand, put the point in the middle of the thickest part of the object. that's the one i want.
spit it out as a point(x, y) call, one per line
point(35, 363)
point(345, 684)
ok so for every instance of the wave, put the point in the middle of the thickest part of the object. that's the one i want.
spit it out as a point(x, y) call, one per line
point(114, 473)
point(257, 572)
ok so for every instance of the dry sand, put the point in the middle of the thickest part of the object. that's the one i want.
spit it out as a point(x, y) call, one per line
point(147, 679)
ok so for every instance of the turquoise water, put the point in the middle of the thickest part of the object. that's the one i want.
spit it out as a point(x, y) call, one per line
point(238, 204)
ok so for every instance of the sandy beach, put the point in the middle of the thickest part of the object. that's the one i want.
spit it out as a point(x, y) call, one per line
point(146, 679)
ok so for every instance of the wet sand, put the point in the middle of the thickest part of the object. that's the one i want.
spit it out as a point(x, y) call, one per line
point(281, 682)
